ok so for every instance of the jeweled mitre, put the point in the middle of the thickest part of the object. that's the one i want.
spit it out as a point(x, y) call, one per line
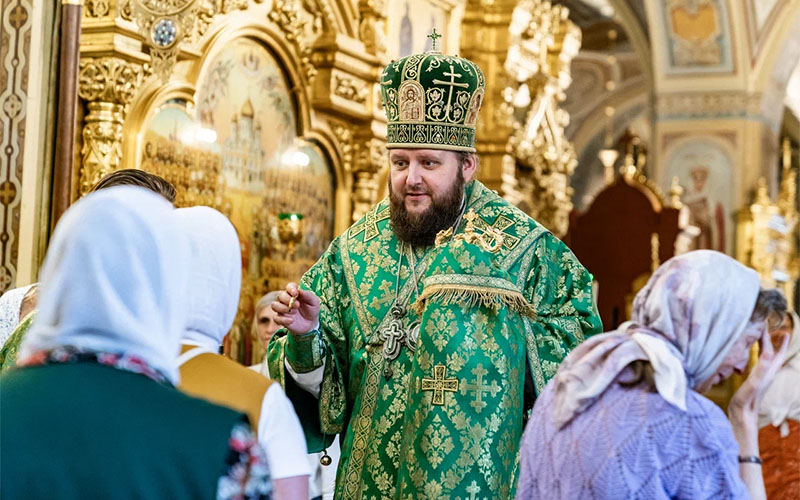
point(432, 102)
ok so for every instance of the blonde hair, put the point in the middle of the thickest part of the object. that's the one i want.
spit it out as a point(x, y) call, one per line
point(259, 350)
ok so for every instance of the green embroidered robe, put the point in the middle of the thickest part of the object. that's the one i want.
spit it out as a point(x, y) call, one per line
point(403, 439)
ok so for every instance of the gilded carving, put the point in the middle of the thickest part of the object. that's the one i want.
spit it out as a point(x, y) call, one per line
point(372, 26)
point(108, 85)
point(371, 156)
point(231, 5)
point(766, 235)
point(350, 89)
point(102, 143)
point(362, 158)
point(344, 136)
point(164, 24)
point(302, 23)
point(206, 11)
point(96, 8)
point(544, 41)
point(109, 79)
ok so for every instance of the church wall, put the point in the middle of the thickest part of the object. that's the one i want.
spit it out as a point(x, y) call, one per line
point(24, 56)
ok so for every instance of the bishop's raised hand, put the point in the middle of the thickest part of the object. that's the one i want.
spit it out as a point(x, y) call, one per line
point(297, 310)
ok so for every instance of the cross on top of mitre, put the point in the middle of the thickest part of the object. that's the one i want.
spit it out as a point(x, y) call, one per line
point(434, 36)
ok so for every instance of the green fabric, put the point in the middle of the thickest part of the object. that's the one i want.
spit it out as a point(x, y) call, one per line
point(84, 430)
point(10, 350)
point(432, 101)
point(468, 440)
point(355, 280)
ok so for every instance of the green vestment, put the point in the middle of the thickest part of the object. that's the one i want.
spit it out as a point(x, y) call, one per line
point(447, 421)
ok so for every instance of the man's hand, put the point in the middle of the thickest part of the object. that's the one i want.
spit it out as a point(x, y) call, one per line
point(297, 310)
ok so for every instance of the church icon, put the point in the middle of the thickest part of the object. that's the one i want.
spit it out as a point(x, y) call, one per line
point(242, 153)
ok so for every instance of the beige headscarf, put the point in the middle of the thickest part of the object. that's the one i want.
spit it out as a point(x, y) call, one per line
point(684, 322)
point(781, 402)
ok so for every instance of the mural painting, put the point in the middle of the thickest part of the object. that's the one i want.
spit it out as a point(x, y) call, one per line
point(239, 151)
point(698, 36)
point(705, 172)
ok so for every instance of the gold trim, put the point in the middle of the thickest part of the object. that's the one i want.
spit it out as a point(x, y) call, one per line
point(79, 3)
point(347, 265)
point(533, 355)
point(475, 295)
point(524, 244)
point(362, 428)
point(444, 147)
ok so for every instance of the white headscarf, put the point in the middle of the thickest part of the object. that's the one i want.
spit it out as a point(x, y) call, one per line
point(684, 322)
point(781, 402)
point(114, 279)
point(10, 304)
point(215, 277)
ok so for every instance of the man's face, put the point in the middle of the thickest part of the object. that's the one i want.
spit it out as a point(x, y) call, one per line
point(426, 188)
point(421, 176)
point(266, 325)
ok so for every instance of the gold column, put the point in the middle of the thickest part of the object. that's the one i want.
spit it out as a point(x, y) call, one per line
point(107, 84)
point(485, 41)
point(543, 42)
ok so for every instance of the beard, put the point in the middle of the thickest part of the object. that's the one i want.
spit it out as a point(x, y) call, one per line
point(421, 229)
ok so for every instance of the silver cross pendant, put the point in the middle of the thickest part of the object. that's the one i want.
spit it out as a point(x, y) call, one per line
point(394, 336)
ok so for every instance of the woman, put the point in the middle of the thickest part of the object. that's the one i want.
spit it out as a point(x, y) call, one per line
point(214, 286)
point(92, 410)
point(779, 420)
point(323, 478)
point(264, 327)
point(623, 417)
point(11, 311)
point(27, 314)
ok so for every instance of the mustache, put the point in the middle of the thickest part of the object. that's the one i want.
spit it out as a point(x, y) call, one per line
point(415, 190)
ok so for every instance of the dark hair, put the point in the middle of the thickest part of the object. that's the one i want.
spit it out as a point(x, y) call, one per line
point(133, 177)
point(770, 308)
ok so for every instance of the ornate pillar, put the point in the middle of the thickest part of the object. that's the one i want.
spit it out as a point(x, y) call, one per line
point(372, 25)
point(107, 85)
point(345, 86)
point(542, 45)
point(371, 157)
point(485, 41)
point(112, 67)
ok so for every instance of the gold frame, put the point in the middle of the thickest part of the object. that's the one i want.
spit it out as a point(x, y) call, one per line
point(333, 85)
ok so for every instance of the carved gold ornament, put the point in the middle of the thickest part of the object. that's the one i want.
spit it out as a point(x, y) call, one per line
point(490, 240)
point(164, 24)
point(108, 85)
point(543, 43)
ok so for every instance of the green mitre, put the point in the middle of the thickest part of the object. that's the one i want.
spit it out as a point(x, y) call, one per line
point(432, 101)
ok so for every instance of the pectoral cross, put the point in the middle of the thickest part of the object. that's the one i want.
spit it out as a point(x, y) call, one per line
point(479, 387)
point(439, 384)
point(452, 83)
point(394, 337)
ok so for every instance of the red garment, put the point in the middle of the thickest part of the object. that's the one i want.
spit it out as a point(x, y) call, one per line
point(781, 457)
